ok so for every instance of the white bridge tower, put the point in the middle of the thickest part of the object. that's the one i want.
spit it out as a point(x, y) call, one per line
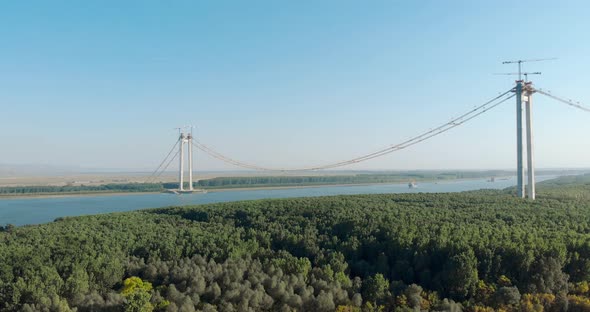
point(524, 93)
point(185, 139)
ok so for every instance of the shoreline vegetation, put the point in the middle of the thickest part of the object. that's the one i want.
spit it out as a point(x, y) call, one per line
point(219, 184)
point(208, 190)
point(474, 251)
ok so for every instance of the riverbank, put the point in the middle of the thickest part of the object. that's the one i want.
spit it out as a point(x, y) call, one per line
point(85, 194)
point(227, 189)
point(263, 182)
point(36, 210)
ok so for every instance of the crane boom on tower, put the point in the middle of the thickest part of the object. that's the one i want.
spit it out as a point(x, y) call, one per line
point(519, 62)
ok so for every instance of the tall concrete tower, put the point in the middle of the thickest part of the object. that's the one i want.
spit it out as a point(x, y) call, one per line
point(181, 165)
point(185, 139)
point(524, 93)
point(189, 140)
point(528, 97)
point(520, 191)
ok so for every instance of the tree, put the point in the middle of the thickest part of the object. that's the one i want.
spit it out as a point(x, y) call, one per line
point(413, 294)
point(77, 284)
point(137, 295)
point(376, 289)
point(547, 276)
point(460, 276)
point(507, 296)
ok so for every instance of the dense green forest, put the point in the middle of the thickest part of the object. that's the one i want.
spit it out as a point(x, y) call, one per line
point(254, 181)
point(568, 186)
point(472, 251)
point(75, 189)
point(347, 179)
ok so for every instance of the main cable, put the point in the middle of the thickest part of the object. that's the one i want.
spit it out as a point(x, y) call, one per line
point(568, 102)
point(403, 146)
point(168, 164)
point(414, 140)
point(163, 161)
point(450, 123)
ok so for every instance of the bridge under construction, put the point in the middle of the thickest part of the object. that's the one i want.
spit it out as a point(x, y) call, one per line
point(523, 92)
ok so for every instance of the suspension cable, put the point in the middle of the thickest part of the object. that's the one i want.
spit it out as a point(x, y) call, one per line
point(415, 140)
point(418, 140)
point(228, 160)
point(168, 164)
point(566, 101)
point(162, 163)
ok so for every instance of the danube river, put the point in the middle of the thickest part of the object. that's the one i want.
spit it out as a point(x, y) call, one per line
point(21, 211)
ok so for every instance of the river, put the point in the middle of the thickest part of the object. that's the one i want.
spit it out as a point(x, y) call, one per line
point(21, 211)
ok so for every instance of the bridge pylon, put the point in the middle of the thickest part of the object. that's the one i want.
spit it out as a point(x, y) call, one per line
point(524, 93)
point(185, 138)
point(182, 140)
point(528, 97)
point(519, 146)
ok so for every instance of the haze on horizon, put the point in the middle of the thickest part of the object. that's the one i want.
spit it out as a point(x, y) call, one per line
point(290, 84)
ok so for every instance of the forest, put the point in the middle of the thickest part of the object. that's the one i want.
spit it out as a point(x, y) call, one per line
point(346, 179)
point(77, 189)
point(472, 251)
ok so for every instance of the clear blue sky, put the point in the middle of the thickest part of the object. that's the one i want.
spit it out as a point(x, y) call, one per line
point(102, 84)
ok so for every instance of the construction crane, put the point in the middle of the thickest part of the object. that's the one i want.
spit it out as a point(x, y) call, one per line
point(526, 75)
point(519, 62)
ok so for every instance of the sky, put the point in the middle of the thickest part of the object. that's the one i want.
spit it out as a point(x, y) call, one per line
point(103, 84)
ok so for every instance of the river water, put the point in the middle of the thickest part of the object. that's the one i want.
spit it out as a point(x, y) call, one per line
point(21, 211)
